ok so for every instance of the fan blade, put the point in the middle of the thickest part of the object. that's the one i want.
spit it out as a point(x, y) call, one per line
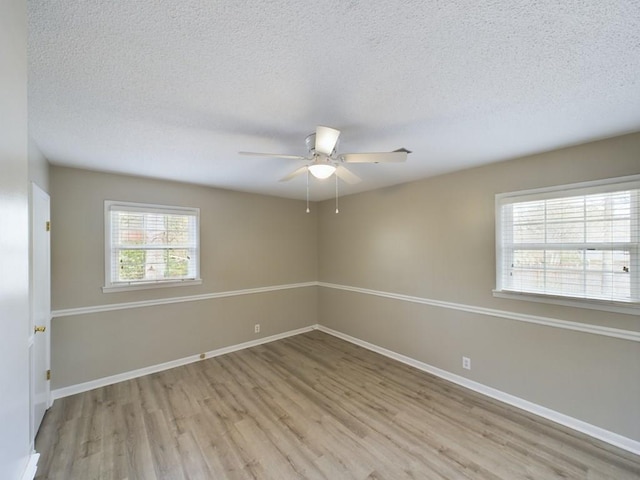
point(347, 175)
point(293, 174)
point(382, 157)
point(326, 139)
point(276, 155)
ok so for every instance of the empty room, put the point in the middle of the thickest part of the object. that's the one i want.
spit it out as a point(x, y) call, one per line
point(341, 240)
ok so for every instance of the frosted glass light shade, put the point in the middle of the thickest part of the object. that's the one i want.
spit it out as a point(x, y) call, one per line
point(322, 170)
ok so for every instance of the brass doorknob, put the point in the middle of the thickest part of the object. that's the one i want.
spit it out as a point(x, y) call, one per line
point(39, 329)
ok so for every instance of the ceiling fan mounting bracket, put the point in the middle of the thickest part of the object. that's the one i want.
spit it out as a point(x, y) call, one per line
point(310, 142)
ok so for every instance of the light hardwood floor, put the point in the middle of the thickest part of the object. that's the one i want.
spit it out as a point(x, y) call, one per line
point(309, 406)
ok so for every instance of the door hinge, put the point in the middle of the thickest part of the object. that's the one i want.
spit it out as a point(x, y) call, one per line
point(48, 374)
point(47, 226)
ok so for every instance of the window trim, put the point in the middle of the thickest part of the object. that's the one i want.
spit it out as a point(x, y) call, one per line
point(109, 286)
point(563, 191)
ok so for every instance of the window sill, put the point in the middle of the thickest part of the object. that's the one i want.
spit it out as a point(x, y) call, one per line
point(603, 305)
point(151, 285)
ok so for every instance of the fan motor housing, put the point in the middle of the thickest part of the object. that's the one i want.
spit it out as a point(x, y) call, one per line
point(310, 142)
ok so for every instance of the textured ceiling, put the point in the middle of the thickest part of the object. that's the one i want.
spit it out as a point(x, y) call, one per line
point(174, 89)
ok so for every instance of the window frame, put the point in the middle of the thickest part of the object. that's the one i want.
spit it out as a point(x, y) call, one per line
point(109, 285)
point(631, 182)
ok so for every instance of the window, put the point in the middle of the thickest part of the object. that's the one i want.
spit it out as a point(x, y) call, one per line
point(149, 246)
point(571, 242)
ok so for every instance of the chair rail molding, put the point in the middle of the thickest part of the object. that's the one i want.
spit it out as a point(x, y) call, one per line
point(520, 317)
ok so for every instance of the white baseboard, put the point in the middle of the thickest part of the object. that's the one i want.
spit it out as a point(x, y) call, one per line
point(612, 438)
point(607, 436)
point(32, 466)
point(121, 377)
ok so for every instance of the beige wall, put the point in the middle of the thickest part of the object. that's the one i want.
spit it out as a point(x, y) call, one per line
point(247, 241)
point(14, 255)
point(434, 239)
point(98, 345)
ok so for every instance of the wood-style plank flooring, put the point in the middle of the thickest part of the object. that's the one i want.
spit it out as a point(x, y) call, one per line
point(310, 406)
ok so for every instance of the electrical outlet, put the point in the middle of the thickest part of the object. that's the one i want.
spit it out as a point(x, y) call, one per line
point(256, 328)
point(466, 363)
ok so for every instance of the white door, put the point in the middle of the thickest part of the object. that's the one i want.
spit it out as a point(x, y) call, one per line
point(40, 291)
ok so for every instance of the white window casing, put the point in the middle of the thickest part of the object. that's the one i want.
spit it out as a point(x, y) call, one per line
point(150, 246)
point(576, 245)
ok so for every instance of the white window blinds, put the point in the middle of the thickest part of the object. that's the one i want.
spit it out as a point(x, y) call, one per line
point(149, 244)
point(577, 241)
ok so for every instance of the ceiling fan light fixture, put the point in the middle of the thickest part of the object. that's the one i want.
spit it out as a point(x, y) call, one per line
point(324, 161)
point(321, 170)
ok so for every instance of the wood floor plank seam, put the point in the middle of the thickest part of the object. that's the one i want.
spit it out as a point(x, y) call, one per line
point(310, 406)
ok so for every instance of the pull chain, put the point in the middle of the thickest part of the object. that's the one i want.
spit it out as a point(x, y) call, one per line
point(308, 190)
point(337, 211)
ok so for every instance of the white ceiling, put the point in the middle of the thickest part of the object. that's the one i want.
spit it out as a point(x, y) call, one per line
point(174, 89)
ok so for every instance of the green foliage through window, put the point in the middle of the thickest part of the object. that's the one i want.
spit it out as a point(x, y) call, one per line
point(152, 244)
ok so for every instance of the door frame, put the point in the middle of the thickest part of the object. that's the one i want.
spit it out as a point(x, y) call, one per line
point(44, 338)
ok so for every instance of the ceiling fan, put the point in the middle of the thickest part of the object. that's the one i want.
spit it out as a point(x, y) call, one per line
point(323, 159)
